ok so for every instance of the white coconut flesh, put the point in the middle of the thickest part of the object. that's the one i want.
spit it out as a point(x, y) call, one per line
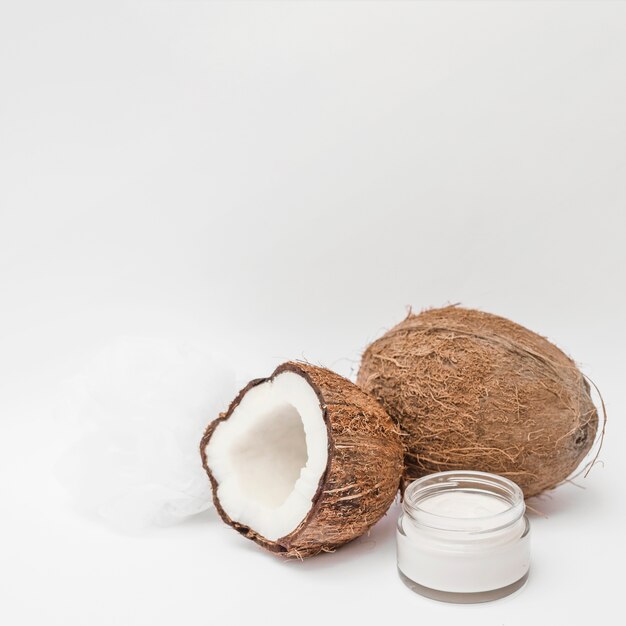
point(268, 457)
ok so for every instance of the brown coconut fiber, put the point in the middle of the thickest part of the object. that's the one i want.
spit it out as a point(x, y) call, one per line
point(362, 474)
point(475, 391)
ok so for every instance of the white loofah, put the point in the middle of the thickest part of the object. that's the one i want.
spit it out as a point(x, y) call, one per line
point(144, 404)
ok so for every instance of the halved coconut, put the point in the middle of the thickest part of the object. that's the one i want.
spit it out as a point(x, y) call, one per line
point(303, 461)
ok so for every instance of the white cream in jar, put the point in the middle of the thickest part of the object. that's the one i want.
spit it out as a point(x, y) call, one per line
point(463, 537)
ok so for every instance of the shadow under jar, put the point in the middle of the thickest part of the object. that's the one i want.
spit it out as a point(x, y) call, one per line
point(463, 537)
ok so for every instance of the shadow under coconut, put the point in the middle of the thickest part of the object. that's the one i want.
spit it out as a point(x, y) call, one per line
point(570, 498)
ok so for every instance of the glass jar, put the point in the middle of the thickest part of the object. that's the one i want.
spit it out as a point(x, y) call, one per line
point(463, 537)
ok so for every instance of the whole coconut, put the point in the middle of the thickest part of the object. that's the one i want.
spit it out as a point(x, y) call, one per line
point(471, 390)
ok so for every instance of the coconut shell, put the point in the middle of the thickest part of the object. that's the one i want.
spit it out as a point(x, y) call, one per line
point(474, 391)
point(362, 474)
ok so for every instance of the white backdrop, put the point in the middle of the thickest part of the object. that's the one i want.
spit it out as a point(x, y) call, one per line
point(281, 180)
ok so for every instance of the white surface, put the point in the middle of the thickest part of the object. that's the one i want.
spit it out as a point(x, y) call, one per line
point(280, 181)
point(268, 457)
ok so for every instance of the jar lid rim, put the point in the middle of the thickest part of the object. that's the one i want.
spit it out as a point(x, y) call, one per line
point(467, 481)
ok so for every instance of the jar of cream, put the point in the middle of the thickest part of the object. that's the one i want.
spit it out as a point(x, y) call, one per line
point(463, 537)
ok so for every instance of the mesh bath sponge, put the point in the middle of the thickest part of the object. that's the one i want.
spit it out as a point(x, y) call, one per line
point(140, 409)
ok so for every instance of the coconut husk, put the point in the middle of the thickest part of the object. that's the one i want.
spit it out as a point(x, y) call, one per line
point(475, 391)
point(362, 475)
